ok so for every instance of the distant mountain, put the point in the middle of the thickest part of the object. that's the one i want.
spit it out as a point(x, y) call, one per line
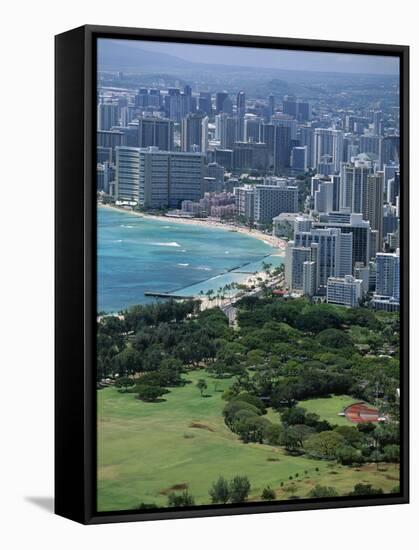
point(125, 55)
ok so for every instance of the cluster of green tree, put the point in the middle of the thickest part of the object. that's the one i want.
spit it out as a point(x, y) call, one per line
point(237, 491)
point(298, 350)
point(222, 491)
point(145, 338)
point(234, 491)
point(243, 415)
point(284, 352)
point(300, 432)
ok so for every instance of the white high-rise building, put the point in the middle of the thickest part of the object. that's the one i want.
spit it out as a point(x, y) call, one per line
point(345, 291)
point(323, 197)
point(334, 252)
point(388, 275)
point(245, 201)
point(387, 289)
point(194, 133)
point(373, 207)
point(299, 159)
point(309, 278)
point(107, 116)
point(328, 142)
point(271, 200)
point(158, 179)
point(353, 190)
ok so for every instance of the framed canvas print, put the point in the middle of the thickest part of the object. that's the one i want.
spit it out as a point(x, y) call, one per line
point(231, 274)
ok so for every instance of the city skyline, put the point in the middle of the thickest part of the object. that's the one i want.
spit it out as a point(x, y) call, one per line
point(248, 275)
point(275, 59)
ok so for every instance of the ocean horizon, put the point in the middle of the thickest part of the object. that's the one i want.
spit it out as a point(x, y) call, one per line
point(137, 255)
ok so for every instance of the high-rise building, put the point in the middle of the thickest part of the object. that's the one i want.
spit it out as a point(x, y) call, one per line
point(373, 211)
point(303, 111)
point(268, 136)
point(158, 179)
point(216, 171)
point(299, 159)
point(241, 104)
point(252, 129)
point(271, 105)
point(130, 132)
point(334, 258)
point(323, 197)
point(389, 150)
point(204, 103)
point(335, 179)
point(104, 154)
point(350, 148)
point(388, 275)
point(250, 156)
point(127, 183)
point(194, 133)
point(363, 273)
point(223, 103)
point(155, 132)
point(186, 101)
point(309, 277)
point(393, 188)
point(288, 122)
point(390, 219)
point(127, 114)
point(107, 116)
point(110, 138)
point(300, 110)
point(173, 104)
point(289, 105)
point(226, 130)
point(105, 175)
point(387, 291)
point(271, 200)
point(355, 224)
point(282, 148)
point(354, 177)
point(224, 157)
point(296, 257)
point(286, 223)
point(305, 136)
point(154, 99)
point(370, 144)
point(345, 291)
point(326, 166)
point(328, 142)
point(316, 181)
point(245, 201)
point(377, 122)
point(141, 99)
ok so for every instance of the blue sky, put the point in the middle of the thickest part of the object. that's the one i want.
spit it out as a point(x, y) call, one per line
point(278, 59)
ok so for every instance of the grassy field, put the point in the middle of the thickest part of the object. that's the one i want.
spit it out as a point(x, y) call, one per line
point(328, 408)
point(145, 450)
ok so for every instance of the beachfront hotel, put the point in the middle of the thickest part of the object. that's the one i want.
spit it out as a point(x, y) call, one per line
point(158, 179)
point(271, 200)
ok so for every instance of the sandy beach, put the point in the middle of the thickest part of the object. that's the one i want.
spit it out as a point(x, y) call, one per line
point(278, 244)
point(252, 281)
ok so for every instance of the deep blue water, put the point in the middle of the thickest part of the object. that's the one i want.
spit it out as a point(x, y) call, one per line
point(136, 255)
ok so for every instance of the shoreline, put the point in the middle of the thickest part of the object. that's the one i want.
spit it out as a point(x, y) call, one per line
point(276, 243)
point(251, 281)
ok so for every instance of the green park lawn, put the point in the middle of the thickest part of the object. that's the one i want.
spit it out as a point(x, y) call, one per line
point(328, 408)
point(146, 450)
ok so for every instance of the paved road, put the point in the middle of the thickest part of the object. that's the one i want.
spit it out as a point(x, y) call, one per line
point(231, 312)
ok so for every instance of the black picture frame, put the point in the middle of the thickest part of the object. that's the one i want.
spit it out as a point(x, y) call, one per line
point(75, 271)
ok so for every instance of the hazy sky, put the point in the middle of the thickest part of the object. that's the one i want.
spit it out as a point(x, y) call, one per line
point(278, 59)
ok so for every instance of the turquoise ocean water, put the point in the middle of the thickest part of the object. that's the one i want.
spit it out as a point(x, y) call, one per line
point(136, 255)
